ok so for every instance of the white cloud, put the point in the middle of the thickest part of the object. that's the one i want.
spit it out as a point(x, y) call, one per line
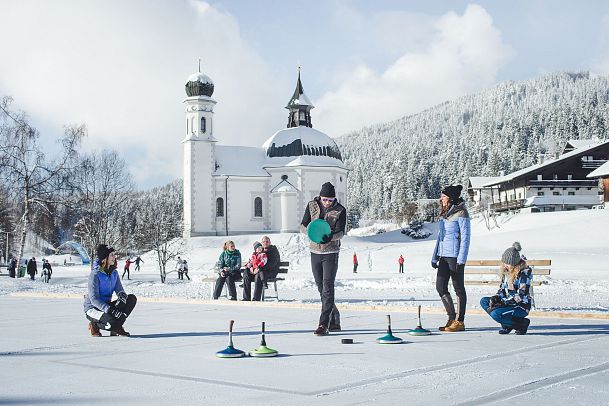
point(121, 67)
point(463, 55)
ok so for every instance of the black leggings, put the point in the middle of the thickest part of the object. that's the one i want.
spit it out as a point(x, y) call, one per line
point(107, 321)
point(448, 269)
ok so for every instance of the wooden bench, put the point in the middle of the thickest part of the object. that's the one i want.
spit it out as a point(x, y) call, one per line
point(283, 269)
point(488, 269)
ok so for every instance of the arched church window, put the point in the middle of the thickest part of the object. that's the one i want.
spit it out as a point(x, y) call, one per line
point(186, 126)
point(203, 124)
point(192, 125)
point(301, 116)
point(219, 207)
point(258, 207)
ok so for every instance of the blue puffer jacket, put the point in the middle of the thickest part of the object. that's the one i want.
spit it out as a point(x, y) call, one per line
point(101, 287)
point(453, 235)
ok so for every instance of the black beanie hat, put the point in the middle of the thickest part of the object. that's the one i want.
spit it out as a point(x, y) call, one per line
point(256, 245)
point(327, 190)
point(103, 251)
point(453, 191)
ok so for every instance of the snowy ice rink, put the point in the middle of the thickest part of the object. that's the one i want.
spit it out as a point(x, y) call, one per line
point(48, 357)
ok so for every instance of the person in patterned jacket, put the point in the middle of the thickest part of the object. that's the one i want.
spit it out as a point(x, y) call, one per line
point(324, 256)
point(512, 303)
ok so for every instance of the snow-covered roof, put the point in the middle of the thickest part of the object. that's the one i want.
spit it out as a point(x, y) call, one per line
point(240, 161)
point(200, 77)
point(549, 162)
point(304, 160)
point(299, 98)
point(576, 144)
point(600, 172)
point(301, 140)
point(308, 136)
point(478, 182)
point(284, 186)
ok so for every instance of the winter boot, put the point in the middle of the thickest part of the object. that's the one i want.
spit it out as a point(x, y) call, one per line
point(321, 330)
point(455, 326)
point(448, 323)
point(94, 330)
point(505, 329)
point(118, 330)
point(521, 325)
point(447, 301)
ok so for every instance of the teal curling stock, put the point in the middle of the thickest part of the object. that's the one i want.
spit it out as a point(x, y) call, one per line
point(317, 230)
point(230, 351)
point(389, 338)
point(419, 330)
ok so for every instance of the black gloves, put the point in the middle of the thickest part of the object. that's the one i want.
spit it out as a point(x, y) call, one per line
point(122, 297)
point(434, 265)
point(326, 239)
point(114, 312)
point(494, 303)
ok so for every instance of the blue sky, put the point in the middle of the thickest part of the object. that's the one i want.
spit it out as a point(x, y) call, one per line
point(120, 66)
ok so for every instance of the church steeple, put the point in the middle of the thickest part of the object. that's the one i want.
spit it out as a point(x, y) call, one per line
point(300, 107)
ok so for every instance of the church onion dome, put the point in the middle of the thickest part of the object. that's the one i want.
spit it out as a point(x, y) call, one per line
point(199, 84)
point(301, 141)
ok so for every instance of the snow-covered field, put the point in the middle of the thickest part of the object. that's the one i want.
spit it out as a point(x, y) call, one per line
point(577, 243)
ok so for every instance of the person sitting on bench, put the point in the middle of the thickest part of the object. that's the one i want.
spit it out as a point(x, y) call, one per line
point(512, 303)
point(229, 265)
point(266, 271)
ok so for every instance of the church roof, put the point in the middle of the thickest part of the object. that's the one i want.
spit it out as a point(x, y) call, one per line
point(199, 84)
point(301, 141)
point(299, 98)
point(240, 161)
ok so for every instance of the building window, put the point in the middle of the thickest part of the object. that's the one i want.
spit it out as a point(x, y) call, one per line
point(555, 177)
point(540, 193)
point(258, 207)
point(556, 193)
point(203, 124)
point(219, 207)
point(564, 188)
point(539, 177)
point(519, 195)
point(570, 176)
point(187, 126)
point(571, 193)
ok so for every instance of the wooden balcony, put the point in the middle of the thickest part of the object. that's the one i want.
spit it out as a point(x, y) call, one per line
point(511, 205)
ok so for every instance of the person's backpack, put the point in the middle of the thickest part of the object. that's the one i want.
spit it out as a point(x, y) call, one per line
point(185, 265)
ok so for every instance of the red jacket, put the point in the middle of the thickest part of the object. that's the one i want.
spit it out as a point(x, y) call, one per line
point(257, 260)
point(401, 260)
point(354, 259)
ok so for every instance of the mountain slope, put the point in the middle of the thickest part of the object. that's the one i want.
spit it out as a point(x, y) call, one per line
point(503, 128)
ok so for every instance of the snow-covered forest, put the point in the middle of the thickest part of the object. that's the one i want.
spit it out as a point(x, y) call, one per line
point(504, 128)
point(76, 195)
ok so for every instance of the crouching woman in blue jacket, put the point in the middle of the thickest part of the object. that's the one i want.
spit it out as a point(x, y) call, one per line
point(450, 254)
point(101, 311)
point(512, 303)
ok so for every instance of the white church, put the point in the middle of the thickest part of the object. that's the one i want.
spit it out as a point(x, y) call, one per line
point(232, 190)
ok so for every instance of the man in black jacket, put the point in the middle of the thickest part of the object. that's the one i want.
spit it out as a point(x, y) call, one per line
point(324, 256)
point(32, 269)
point(268, 271)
